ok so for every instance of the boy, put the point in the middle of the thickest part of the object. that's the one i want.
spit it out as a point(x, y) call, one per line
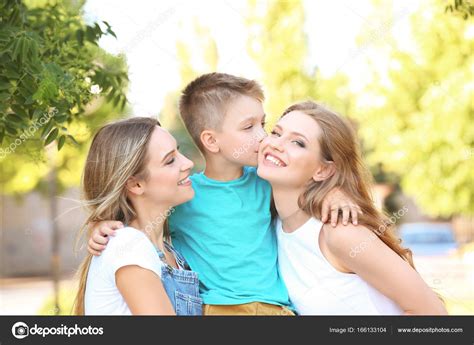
point(226, 233)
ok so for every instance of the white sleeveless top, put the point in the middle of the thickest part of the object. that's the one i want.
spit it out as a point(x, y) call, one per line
point(318, 288)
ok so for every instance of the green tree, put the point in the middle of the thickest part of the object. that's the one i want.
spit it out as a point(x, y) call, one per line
point(49, 61)
point(461, 7)
point(417, 116)
point(56, 86)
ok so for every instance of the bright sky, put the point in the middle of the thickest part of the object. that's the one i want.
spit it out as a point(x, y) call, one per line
point(147, 32)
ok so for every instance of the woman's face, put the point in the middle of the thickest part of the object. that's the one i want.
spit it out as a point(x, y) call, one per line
point(290, 155)
point(168, 170)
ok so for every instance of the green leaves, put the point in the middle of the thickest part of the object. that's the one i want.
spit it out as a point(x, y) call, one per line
point(61, 141)
point(47, 129)
point(51, 136)
point(46, 53)
point(109, 29)
point(48, 58)
point(92, 34)
point(462, 8)
point(23, 48)
point(14, 118)
point(80, 36)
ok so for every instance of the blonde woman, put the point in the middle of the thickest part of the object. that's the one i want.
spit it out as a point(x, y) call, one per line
point(135, 174)
point(311, 151)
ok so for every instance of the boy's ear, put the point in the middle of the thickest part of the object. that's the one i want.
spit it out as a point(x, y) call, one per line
point(208, 140)
point(135, 186)
point(325, 171)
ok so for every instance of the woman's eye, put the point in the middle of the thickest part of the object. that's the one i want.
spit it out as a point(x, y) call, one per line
point(248, 127)
point(299, 143)
point(171, 161)
point(275, 133)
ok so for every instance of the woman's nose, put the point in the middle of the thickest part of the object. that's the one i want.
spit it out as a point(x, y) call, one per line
point(275, 143)
point(187, 163)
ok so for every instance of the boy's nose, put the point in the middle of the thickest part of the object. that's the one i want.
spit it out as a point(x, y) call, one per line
point(262, 134)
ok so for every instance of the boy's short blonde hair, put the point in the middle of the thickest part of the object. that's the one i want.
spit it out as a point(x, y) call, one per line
point(204, 101)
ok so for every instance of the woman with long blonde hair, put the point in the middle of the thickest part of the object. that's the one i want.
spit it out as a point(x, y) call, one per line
point(344, 270)
point(134, 174)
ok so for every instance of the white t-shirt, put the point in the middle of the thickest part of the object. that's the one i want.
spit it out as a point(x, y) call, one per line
point(128, 247)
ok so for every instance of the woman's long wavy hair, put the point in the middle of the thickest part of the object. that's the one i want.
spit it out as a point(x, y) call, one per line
point(118, 151)
point(339, 145)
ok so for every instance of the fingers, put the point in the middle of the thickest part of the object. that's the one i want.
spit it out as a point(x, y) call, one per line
point(355, 211)
point(97, 244)
point(104, 231)
point(99, 239)
point(101, 231)
point(325, 212)
point(108, 227)
point(92, 248)
point(345, 214)
point(93, 252)
point(334, 216)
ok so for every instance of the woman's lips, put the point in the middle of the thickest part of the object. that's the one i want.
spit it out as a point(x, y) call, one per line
point(185, 182)
point(273, 161)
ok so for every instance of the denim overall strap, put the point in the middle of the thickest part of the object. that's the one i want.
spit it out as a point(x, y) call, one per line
point(180, 260)
point(181, 285)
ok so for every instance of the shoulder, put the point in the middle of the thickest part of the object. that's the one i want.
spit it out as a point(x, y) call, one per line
point(127, 234)
point(343, 239)
point(131, 247)
point(128, 239)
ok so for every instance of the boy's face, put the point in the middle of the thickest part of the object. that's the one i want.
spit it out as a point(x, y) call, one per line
point(242, 131)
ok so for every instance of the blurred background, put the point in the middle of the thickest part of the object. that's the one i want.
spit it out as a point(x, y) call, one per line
point(401, 71)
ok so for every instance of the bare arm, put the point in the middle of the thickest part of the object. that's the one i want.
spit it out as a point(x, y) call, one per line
point(143, 291)
point(382, 268)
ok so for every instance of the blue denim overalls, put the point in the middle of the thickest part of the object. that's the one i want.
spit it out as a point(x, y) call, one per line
point(181, 285)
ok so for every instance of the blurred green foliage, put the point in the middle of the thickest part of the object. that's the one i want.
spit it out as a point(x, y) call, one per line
point(417, 116)
point(54, 79)
point(414, 119)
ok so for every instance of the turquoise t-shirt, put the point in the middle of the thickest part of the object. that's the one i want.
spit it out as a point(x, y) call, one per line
point(226, 235)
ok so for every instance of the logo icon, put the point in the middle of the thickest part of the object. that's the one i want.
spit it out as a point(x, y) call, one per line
point(20, 330)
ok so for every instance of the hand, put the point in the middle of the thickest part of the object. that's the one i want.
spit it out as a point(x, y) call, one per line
point(100, 235)
point(337, 200)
